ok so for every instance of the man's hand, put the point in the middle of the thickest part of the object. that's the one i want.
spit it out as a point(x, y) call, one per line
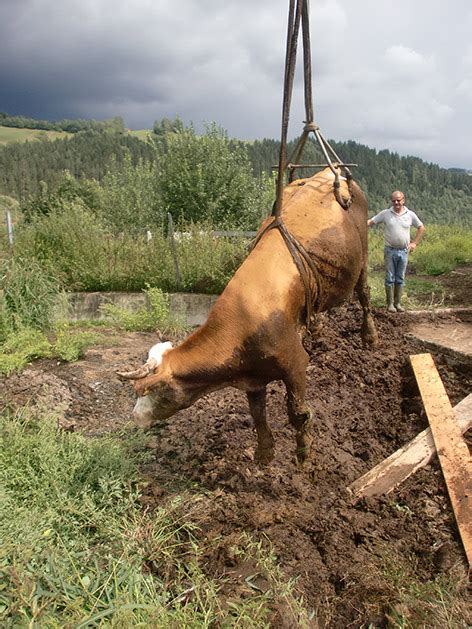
point(412, 246)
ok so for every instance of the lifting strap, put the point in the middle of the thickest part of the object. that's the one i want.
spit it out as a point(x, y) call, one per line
point(302, 260)
point(299, 13)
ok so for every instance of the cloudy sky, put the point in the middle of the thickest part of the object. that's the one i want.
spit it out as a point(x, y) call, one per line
point(395, 75)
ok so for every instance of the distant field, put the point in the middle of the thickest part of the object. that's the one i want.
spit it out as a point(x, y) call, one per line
point(12, 134)
point(142, 134)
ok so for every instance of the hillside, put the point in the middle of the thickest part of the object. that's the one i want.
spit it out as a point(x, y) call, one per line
point(10, 135)
point(436, 194)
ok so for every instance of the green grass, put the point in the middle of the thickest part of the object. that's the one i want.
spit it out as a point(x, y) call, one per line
point(442, 249)
point(142, 134)
point(78, 549)
point(27, 344)
point(12, 134)
point(418, 293)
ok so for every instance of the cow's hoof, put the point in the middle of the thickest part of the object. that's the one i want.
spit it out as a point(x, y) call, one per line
point(369, 335)
point(263, 456)
point(303, 451)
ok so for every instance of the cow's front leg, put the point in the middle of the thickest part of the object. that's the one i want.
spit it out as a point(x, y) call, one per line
point(299, 413)
point(265, 440)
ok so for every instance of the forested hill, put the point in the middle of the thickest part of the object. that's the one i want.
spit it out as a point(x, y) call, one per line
point(436, 194)
point(86, 155)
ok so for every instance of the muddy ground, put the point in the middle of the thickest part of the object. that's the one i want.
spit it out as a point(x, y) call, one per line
point(366, 405)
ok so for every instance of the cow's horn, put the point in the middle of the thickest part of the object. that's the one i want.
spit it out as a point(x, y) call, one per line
point(141, 372)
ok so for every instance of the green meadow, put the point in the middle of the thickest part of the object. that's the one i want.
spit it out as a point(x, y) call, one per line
point(9, 135)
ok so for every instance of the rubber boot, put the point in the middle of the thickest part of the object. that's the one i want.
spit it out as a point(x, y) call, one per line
point(389, 296)
point(397, 297)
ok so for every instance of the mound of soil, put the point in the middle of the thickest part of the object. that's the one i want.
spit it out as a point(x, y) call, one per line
point(366, 405)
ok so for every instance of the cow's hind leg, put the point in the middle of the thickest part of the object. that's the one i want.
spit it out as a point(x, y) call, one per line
point(368, 331)
point(299, 413)
point(265, 441)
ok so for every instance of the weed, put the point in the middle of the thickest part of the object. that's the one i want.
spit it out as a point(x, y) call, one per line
point(70, 344)
point(22, 346)
point(30, 294)
point(28, 344)
point(155, 317)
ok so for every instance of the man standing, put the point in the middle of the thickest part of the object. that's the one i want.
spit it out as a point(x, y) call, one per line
point(398, 220)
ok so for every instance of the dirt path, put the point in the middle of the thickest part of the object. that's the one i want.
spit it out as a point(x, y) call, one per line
point(366, 404)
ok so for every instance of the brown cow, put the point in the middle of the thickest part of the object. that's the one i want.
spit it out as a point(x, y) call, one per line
point(253, 332)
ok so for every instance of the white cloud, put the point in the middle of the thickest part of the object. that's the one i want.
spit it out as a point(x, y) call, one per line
point(404, 62)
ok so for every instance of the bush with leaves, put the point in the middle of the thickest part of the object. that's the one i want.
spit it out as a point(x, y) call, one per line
point(68, 190)
point(205, 178)
point(70, 240)
point(207, 262)
point(130, 199)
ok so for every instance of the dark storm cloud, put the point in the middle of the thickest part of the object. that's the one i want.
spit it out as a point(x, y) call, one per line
point(386, 76)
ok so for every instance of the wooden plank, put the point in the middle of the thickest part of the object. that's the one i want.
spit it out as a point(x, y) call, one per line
point(453, 453)
point(392, 471)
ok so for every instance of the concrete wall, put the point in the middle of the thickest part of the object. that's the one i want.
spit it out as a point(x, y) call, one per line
point(191, 308)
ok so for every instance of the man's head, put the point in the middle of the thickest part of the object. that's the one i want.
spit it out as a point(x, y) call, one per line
point(398, 200)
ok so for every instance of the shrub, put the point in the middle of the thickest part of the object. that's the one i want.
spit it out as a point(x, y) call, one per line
point(70, 344)
point(30, 295)
point(207, 262)
point(22, 346)
point(204, 178)
point(70, 241)
point(155, 317)
point(130, 199)
point(88, 257)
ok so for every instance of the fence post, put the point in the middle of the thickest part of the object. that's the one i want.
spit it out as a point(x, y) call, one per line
point(173, 248)
point(9, 227)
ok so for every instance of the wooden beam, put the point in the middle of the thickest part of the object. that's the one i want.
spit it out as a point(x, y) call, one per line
point(400, 465)
point(453, 453)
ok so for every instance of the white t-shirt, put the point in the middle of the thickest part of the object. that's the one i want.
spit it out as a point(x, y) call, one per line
point(397, 226)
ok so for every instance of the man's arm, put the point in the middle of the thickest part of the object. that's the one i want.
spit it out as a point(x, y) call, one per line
point(418, 236)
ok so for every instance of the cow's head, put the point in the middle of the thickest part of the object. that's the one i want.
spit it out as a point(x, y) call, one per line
point(159, 395)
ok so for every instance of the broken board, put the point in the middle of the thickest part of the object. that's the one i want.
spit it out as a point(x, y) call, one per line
point(400, 465)
point(453, 453)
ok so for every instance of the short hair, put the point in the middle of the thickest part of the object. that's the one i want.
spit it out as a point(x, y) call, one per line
point(398, 192)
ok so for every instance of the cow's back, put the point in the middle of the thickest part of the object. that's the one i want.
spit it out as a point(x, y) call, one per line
point(336, 238)
point(268, 281)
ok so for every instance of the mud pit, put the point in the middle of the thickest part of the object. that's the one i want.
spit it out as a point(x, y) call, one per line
point(366, 404)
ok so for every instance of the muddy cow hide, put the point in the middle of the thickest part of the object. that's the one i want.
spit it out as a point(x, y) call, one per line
point(253, 334)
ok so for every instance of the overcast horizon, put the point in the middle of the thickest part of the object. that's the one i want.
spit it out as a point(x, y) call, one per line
point(396, 77)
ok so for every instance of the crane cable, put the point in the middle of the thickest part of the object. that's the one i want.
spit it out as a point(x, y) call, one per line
point(300, 13)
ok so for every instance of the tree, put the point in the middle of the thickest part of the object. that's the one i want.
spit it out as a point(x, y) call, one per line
point(204, 178)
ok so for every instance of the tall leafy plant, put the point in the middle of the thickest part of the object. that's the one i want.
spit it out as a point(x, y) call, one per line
point(29, 295)
point(129, 197)
point(206, 178)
